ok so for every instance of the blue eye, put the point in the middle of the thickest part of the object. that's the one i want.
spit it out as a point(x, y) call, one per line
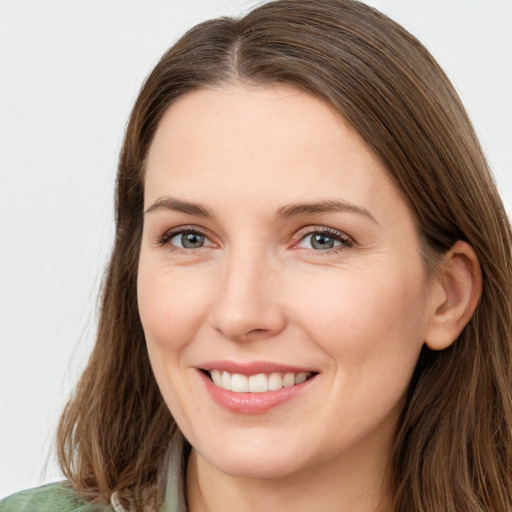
point(324, 241)
point(188, 240)
point(185, 239)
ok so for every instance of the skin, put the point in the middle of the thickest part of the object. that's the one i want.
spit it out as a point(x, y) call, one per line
point(258, 290)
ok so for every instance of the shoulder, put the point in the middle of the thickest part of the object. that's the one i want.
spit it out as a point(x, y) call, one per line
point(56, 497)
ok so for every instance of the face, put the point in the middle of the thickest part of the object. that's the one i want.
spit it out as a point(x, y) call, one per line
point(280, 286)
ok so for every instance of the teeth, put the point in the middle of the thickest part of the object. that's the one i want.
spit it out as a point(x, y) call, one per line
point(225, 381)
point(259, 383)
point(289, 380)
point(216, 377)
point(301, 377)
point(275, 382)
point(239, 383)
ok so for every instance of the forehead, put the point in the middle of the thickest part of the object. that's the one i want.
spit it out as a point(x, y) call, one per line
point(275, 142)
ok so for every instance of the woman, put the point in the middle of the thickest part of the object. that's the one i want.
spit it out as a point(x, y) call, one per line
point(308, 301)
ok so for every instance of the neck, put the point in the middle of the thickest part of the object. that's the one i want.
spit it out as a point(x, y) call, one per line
point(354, 485)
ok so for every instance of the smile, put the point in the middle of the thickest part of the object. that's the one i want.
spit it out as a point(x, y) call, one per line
point(257, 387)
point(259, 383)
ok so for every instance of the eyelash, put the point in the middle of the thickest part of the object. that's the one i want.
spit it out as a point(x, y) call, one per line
point(166, 238)
point(346, 242)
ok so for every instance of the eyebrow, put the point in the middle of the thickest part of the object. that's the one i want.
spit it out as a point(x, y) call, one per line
point(285, 212)
point(170, 203)
point(294, 210)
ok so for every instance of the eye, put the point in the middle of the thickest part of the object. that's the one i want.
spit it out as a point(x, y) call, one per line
point(187, 239)
point(324, 240)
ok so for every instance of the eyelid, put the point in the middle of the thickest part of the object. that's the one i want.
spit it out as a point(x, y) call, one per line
point(167, 236)
point(346, 240)
point(307, 230)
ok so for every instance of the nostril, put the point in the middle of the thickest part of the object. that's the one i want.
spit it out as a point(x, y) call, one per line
point(245, 320)
point(256, 331)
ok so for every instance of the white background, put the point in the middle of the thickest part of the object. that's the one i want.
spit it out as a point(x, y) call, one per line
point(69, 72)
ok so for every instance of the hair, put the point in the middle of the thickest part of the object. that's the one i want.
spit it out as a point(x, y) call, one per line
point(453, 444)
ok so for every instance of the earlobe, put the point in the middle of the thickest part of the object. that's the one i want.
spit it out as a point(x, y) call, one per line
point(460, 286)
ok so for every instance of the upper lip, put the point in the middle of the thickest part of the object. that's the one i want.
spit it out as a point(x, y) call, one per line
point(253, 368)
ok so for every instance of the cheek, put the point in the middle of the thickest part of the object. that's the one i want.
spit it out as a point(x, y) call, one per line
point(366, 321)
point(171, 305)
point(371, 329)
point(171, 309)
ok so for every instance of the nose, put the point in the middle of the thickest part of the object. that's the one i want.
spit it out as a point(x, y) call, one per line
point(248, 304)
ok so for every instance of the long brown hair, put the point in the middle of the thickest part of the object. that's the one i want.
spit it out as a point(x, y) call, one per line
point(453, 445)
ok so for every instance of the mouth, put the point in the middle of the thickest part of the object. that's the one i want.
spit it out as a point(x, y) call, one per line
point(258, 383)
point(257, 387)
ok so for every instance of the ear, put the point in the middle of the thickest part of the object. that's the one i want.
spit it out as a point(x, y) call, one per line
point(455, 295)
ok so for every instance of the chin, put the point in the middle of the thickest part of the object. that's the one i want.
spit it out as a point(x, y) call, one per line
point(251, 460)
point(254, 467)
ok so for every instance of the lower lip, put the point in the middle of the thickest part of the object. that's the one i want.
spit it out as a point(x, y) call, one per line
point(253, 403)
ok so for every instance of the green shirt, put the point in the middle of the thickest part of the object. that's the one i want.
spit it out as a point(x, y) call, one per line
point(61, 497)
point(56, 497)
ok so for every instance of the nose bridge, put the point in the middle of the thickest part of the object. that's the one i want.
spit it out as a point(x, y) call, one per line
point(247, 303)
